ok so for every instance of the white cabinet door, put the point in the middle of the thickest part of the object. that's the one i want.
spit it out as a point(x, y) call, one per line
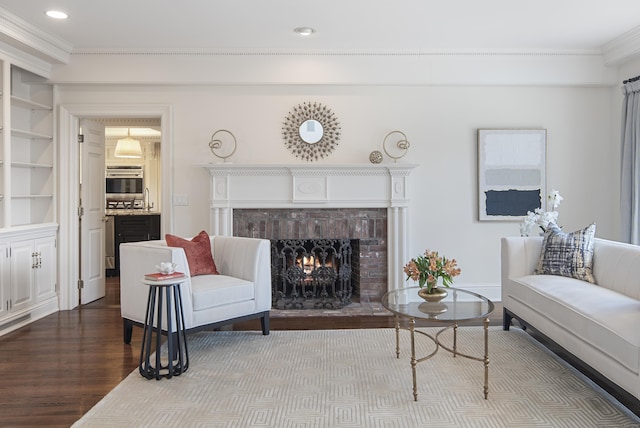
point(23, 261)
point(45, 270)
point(28, 275)
point(5, 280)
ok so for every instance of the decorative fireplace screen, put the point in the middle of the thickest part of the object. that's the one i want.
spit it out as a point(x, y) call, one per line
point(312, 273)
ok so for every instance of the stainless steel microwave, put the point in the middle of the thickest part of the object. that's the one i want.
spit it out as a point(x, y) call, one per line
point(125, 182)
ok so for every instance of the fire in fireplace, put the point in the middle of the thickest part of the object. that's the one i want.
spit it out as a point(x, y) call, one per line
point(313, 273)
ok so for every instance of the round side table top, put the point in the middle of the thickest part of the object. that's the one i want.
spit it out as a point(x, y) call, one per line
point(164, 282)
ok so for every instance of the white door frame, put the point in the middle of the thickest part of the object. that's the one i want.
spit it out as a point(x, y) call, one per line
point(68, 177)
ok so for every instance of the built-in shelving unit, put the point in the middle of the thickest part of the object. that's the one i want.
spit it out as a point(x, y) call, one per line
point(31, 151)
point(28, 229)
point(5, 142)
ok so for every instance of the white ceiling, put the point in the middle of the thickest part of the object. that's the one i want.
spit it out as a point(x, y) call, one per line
point(342, 25)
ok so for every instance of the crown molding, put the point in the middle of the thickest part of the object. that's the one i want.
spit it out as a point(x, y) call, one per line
point(17, 32)
point(22, 59)
point(337, 53)
point(583, 68)
point(622, 49)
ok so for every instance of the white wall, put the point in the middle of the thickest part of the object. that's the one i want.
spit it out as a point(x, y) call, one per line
point(440, 122)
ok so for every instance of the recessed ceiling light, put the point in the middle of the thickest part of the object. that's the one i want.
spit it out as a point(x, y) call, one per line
point(304, 31)
point(56, 14)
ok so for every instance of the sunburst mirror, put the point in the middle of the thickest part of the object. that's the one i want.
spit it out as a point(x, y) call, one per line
point(311, 131)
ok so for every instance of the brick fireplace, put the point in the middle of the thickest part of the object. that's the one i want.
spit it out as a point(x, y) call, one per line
point(366, 225)
point(363, 201)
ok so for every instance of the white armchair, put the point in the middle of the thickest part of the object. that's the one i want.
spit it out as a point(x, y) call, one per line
point(241, 292)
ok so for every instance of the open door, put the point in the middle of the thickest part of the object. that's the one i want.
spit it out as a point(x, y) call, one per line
point(92, 218)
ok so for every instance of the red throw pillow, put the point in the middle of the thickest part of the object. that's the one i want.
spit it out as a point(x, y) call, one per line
point(198, 252)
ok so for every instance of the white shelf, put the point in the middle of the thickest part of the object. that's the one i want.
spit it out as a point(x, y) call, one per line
point(30, 165)
point(26, 103)
point(31, 196)
point(30, 135)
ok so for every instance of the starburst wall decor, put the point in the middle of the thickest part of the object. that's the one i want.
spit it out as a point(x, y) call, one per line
point(311, 131)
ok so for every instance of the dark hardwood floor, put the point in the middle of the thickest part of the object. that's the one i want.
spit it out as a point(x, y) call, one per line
point(55, 369)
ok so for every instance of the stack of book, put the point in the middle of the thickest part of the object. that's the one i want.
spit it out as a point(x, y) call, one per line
point(159, 276)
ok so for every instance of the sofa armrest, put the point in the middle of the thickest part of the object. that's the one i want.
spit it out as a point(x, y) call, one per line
point(248, 259)
point(519, 257)
point(140, 258)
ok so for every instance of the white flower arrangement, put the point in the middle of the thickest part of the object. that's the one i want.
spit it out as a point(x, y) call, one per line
point(542, 218)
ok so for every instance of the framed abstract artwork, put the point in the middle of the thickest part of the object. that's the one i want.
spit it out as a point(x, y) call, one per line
point(511, 172)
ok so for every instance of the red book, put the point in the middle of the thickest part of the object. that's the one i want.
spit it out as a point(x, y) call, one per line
point(159, 276)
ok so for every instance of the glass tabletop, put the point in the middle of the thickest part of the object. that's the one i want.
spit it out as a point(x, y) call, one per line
point(459, 305)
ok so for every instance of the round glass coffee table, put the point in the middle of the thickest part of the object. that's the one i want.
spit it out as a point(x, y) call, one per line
point(459, 307)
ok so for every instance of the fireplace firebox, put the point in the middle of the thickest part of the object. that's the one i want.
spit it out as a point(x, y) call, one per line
point(313, 273)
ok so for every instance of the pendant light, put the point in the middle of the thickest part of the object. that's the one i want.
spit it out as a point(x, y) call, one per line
point(128, 147)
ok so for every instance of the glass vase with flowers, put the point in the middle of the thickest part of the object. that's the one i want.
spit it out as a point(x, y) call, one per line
point(427, 269)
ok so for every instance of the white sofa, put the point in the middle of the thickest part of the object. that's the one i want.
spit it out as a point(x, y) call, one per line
point(597, 323)
point(242, 291)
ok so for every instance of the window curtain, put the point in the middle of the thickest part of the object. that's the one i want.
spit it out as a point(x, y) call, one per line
point(630, 179)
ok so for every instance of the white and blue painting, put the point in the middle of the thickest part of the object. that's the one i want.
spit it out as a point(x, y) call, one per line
point(511, 172)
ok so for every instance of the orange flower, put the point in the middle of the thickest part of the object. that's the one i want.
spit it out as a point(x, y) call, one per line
point(427, 268)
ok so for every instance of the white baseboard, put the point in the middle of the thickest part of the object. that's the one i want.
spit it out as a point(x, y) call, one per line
point(492, 292)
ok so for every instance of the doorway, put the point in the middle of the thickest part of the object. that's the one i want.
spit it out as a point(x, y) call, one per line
point(68, 125)
point(126, 208)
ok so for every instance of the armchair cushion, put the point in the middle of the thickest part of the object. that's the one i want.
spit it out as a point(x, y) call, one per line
point(197, 251)
point(222, 290)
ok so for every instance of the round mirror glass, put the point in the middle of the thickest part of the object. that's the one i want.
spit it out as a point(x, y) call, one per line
point(311, 131)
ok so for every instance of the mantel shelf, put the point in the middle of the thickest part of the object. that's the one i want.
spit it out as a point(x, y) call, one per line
point(344, 168)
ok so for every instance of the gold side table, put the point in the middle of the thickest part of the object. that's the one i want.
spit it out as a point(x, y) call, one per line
point(459, 307)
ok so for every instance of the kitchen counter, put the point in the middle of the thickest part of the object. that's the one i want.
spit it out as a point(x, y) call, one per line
point(130, 212)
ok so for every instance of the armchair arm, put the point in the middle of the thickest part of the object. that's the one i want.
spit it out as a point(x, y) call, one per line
point(140, 258)
point(246, 258)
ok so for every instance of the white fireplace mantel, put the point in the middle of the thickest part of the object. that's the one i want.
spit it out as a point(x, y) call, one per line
point(299, 186)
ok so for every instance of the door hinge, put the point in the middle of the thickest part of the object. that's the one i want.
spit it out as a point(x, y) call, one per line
point(80, 284)
point(80, 211)
point(80, 138)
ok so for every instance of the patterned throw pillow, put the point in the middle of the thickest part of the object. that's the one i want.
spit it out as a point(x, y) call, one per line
point(198, 252)
point(567, 254)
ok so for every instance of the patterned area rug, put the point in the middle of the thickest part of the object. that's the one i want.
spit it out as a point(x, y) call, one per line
point(351, 378)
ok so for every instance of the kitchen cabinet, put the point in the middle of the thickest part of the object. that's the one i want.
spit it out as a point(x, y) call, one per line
point(27, 277)
point(135, 228)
